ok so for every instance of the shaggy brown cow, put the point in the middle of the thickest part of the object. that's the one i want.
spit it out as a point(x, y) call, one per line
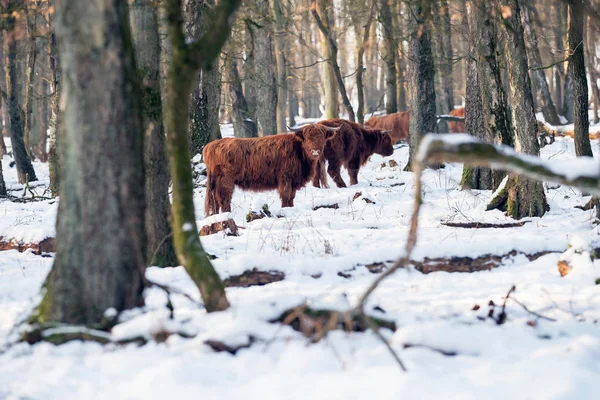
point(396, 124)
point(351, 147)
point(284, 162)
point(457, 127)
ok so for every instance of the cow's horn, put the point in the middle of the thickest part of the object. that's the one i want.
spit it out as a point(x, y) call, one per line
point(295, 129)
point(330, 128)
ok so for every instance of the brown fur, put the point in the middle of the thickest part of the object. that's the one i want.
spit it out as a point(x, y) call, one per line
point(285, 162)
point(457, 127)
point(351, 147)
point(396, 124)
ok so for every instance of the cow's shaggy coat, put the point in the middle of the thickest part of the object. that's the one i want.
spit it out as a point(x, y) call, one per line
point(285, 162)
point(351, 147)
point(395, 124)
point(455, 126)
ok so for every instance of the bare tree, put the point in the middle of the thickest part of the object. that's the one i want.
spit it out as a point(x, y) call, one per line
point(186, 59)
point(521, 196)
point(281, 64)
point(576, 71)
point(389, 57)
point(444, 55)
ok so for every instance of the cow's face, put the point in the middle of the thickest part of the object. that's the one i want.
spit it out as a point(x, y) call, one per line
point(313, 139)
point(384, 144)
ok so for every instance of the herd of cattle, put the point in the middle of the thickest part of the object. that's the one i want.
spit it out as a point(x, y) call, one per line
point(287, 162)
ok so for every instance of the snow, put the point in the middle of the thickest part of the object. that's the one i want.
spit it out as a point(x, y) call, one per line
point(526, 357)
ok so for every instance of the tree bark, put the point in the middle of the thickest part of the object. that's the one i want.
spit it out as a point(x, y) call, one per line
point(2, 184)
point(281, 65)
point(330, 42)
point(204, 118)
point(264, 73)
point(243, 125)
point(360, 111)
point(54, 126)
point(576, 71)
point(25, 170)
point(389, 57)
point(541, 84)
point(144, 28)
point(421, 74)
point(185, 60)
point(525, 197)
point(568, 97)
point(591, 64)
point(99, 260)
point(443, 45)
point(330, 89)
point(30, 74)
point(560, 13)
point(474, 177)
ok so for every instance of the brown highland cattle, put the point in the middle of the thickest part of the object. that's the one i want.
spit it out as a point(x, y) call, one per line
point(351, 147)
point(395, 124)
point(285, 162)
point(455, 126)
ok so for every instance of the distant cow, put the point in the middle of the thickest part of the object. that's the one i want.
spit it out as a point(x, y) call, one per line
point(351, 147)
point(396, 124)
point(456, 126)
point(284, 162)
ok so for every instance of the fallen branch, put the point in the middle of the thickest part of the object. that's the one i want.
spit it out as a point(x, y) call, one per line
point(436, 149)
point(448, 353)
point(483, 225)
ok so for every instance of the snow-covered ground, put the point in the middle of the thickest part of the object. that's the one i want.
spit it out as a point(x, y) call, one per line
point(525, 358)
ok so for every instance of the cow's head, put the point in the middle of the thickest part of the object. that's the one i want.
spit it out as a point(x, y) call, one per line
point(314, 137)
point(383, 143)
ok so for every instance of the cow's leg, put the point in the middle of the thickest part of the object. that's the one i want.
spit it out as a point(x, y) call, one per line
point(286, 192)
point(317, 178)
point(353, 167)
point(225, 193)
point(334, 172)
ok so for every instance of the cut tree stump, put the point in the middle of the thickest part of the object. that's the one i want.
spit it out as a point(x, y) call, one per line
point(481, 225)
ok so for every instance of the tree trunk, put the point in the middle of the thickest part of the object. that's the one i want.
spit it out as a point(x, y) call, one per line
point(185, 60)
point(576, 71)
point(203, 117)
point(330, 41)
point(264, 73)
point(389, 57)
point(524, 196)
point(401, 59)
point(243, 125)
point(281, 65)
point(591, 61)
point(329, 81)
point(560, 11)
point(100, 243)
point(493, 97)
point(360, 111)
point(443, 45)
point(25, 169)
point(475, 177)
point(31, 61)
point(54, 127)
point(421, 74)
point(2, 145)
point(2, 184)
point(541, 84)
point(144, 28)
point(568, 97)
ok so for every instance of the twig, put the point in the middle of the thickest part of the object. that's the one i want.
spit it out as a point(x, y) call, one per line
point(448, 353)
point(532, 312)
point(168, 290)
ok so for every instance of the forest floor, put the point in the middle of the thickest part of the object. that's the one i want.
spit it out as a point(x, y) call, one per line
point(452, 348)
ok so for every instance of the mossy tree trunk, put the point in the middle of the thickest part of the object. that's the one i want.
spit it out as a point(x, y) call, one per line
point(484, 27)
point(100, 242)
point(522, 196)
point(475, 177)
point(329, 83)
point(25, 169)
point(185, 60)
point(577, 73)
point(144, 29)
point(421, 73)
point(206, 93)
